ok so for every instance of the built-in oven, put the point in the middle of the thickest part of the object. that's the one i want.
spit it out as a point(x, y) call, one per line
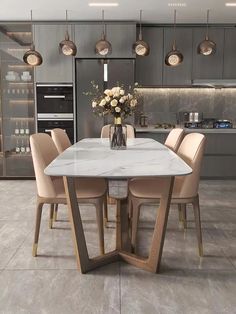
point(55, 108)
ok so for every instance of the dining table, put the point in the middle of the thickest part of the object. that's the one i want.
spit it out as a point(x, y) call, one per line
point(143, 158)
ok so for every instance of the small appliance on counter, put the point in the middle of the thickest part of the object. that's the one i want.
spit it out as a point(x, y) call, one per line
point(193, 125)
point(222, 124)
point(190, 119)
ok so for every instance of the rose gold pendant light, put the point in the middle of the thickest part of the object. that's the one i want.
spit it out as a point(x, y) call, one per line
point(174, 57)
point(207, 47)
point(103, 47)
point(67, 46)
point(32, 57)
point(141, 48)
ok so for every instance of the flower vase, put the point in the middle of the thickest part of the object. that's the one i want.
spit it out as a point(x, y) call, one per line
point(118, 134)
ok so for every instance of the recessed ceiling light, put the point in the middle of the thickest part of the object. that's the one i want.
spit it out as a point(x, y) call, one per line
point(177, 4)
point(103, 4)
point(230, 4)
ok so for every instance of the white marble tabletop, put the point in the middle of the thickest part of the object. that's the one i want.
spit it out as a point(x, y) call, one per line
point(93, 157)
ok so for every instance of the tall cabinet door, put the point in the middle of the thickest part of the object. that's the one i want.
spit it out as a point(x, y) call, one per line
point(56, 67)
point(121, 71)
point(208, 67)
point(149, 69)
point(88, 125)
point(181, 74)
point(229, 54)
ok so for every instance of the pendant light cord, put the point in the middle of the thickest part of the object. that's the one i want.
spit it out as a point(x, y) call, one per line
point(104, 26)
point(33, 29)
point(207, 26)
point(140, 26)
point(174, 42)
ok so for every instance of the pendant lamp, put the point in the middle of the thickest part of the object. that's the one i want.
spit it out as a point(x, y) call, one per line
point(32, 57)
point(174, 57)
point(103, 47)
point(67, 46)
point(207, 47)
point(141, 48)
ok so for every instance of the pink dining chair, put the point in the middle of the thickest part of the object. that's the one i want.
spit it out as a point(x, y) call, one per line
point(50, 190)
point(185, 188)
point(174, 139)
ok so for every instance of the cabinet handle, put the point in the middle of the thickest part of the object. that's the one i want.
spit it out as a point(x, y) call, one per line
point(54, 96)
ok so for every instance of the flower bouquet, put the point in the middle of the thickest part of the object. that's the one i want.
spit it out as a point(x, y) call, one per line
point(118, 103)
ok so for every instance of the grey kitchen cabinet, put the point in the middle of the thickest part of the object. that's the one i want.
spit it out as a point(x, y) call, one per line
point(56, 67)
point(229, 54)
point(160, 137)
point(208, 67)
point(181, 74)
point(149, 69)
point(121, 36)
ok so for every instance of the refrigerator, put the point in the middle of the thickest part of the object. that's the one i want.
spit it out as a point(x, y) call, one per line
point(105, 73)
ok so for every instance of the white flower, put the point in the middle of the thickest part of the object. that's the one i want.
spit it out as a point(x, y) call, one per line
point(130, 96)
point(107, 98)
point(117, 109)
point(102, 103)
point(133, 103)
point(122, 92)
point(94, 104)
point(116, 90)
point(116, 94)
point(122, 100)
point(114, 102)
point(107, 92)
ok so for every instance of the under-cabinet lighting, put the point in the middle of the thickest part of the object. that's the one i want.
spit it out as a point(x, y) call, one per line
point(103, 4)
point(230, 4)
point(177, 4)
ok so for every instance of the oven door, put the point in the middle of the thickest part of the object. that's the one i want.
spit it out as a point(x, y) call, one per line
point(48, 125)
point(54, 99)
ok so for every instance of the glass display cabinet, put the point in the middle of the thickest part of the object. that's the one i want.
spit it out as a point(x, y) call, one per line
point(17, 102)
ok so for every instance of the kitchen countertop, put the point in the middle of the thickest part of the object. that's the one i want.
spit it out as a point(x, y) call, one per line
point(151, 129)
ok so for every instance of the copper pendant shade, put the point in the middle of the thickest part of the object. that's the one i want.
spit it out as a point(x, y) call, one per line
point(207, 47)
point(140, 47)
point(174, 57)
point(67, 46)
point(103, 46)
point(32, 57)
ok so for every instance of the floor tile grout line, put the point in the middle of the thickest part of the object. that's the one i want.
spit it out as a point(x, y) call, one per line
point(20, 246)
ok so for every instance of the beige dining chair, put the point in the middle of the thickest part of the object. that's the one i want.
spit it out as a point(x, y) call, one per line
point(50, 190)
point(105, 131)
point(62, 142)
point(174, 139)
point(185, 190)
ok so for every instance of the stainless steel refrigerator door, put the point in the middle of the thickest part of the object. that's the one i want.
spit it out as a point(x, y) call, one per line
point(88, 124)
point(87, 70)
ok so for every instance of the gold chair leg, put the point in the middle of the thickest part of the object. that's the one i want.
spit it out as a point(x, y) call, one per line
point(55, 212)
point(196, 210)
point(37, 228)
point(51, 216)
point(99, 214)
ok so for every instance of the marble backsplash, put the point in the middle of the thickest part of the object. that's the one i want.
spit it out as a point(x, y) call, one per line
point(162, 105)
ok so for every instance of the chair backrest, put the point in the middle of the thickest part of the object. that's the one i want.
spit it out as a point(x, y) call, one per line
point(60, 139)
point(191, 150)
point(44, 152)
point(174, 139)
point(105, 131)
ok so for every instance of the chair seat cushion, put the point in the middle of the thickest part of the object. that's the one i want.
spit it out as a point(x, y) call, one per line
point(85, 188)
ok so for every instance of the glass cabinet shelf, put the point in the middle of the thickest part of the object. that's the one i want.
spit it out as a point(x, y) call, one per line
point(17, 102)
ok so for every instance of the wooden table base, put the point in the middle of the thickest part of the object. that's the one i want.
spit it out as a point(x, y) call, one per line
point(123, 241)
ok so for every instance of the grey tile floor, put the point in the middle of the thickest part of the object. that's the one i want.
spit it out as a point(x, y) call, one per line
point(51, 283)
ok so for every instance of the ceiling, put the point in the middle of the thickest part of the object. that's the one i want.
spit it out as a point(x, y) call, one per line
point(154, 11)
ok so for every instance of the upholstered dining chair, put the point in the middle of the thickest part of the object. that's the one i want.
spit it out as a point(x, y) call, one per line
point(174, 139)
point(50, 190)
point(60, 139)
point(185, 189)
point(105, 131)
